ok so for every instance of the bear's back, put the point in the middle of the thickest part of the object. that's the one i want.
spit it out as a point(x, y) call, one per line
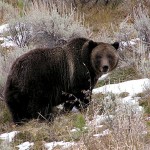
point(39, 65)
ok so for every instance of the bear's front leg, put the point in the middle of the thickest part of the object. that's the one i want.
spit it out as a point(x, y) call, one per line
point(69, 101)
point(80, 100)
point(84, 98)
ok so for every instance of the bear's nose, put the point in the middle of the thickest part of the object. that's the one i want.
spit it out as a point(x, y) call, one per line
point(105, 68)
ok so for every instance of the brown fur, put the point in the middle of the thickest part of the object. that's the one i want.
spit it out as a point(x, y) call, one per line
point(44, 78)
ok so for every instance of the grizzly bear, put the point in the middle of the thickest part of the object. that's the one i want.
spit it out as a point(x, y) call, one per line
point(43, 78)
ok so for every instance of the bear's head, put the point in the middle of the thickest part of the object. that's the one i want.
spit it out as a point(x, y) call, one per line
point(104, 57)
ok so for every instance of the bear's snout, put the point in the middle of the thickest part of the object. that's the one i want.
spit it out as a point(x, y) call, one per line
point(104, 65)
point(105, 68)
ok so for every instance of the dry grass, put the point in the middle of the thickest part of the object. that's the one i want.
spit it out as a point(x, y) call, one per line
point(47, 25)
point(145, 101)
point(126, 127)
point(5, 118)
point(7, 11)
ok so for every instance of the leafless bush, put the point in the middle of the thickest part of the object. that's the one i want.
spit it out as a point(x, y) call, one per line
point(128, 126)
point(125, 123)
point(92, 3)
point(142, 24)
point(20, 34)
point(142, 59)
point(127, 35)
point(136, 51)
point(48, 25)
point(135, 41)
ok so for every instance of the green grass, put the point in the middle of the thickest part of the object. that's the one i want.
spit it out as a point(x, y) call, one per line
point(23, 137)
point(79, 122)
point(5, 117)
point(120, 75)
point(145, 102)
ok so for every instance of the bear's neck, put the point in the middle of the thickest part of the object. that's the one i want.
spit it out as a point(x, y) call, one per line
point(87, 62)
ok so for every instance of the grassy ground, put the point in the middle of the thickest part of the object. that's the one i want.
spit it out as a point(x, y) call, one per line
point(120, 75)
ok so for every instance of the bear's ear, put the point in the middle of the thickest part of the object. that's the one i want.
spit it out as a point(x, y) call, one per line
point(116, 45)
point(92, 44)
point(87, 49)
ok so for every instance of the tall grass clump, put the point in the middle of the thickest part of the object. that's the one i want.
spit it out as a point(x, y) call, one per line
point(142, 25)
point(128, 126)
point(134, 33)
point(142, 60)
point(49, 25)
point(124, 123)
point(126, 35)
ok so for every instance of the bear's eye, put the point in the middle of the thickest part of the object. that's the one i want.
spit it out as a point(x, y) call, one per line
point(99, 57)
point(110, 56)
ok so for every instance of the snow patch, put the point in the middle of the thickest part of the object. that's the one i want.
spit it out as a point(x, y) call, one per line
point(99, 119)
point(132, 87)
point(131, 42)
point(105, 132)
point(63, 145)
point(77, 129)
point(147, 119)
point(25, 146)
point(8, 136)
point(8, 43)
point(103, 77)
point(129, 105)
point(75, 110)
point(3, 28)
